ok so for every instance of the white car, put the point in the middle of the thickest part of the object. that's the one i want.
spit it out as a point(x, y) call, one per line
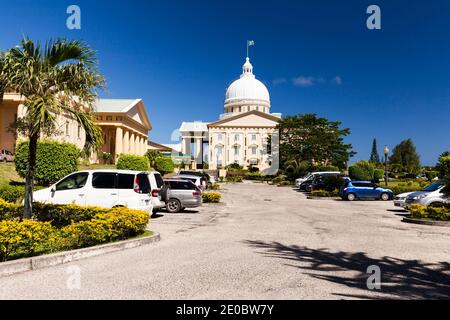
point(310, 175)
point(6, 156)
point(101, 188)
point(430, 196)
point(400, 200)
point(157, 190)
point(200, 182)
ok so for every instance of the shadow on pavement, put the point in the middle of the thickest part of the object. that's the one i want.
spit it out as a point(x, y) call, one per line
point(401, 279)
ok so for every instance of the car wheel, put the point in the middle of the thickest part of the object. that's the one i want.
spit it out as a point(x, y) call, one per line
point(173, 206)
point(351, 197)
point(384, 197)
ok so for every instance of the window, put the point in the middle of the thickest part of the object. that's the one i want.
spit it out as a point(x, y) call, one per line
point(236, 151)
point(125, 181)
point(67, 128)
point(104, 180)
point(79, 132)
point(236, 137)
point(144, 183)
point(253, 137)
point(219, 137)
point(75, 181)
point(159, 180)
point(219, 150)
point(182, 185)
point(254, 150)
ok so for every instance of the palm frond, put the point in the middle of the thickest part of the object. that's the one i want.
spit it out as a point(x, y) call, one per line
point(62, 51)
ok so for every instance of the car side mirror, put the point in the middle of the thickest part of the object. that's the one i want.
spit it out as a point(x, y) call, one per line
point(53, 189)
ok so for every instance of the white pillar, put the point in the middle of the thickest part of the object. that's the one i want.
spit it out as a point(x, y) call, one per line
point(119, 141)
point(198, 150)
point(136, 146)
point(132, 144)
point(126, 142)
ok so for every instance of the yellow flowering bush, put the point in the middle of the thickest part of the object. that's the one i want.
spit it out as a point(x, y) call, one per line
point(211, 197)
point(25, 238)
point(62, 227)
point(432, 213)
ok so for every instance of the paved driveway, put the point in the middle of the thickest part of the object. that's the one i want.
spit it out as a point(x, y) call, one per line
point(265, 243)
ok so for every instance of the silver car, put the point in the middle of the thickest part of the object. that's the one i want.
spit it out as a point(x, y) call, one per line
point(183, 194)
point(6, 156)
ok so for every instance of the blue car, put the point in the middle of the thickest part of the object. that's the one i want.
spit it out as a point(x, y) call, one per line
point(352, 190)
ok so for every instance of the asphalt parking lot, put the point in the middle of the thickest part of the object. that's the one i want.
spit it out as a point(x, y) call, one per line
point(264, 242)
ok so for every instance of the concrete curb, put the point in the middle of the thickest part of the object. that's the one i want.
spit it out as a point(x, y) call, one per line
point(427, 222)
point(40, 262)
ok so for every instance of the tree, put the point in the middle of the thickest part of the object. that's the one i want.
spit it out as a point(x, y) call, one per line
point(152, 155)
point(306, 137)
point(405, 157)
point(164, 165)
point(60, 78)
point(444, 170)
point(374, 156)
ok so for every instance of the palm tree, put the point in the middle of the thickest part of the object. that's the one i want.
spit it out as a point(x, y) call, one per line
point(58, 79)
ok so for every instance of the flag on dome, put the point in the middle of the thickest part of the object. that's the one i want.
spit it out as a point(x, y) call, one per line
point(251, 43)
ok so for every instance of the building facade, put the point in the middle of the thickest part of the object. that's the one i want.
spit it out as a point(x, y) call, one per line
point(241, 134)
point(124, 123)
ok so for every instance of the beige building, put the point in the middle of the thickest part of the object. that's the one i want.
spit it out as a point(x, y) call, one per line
point(241, 134)
point(125, 125)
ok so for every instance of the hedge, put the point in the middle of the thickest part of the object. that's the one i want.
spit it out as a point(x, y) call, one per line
point(54, 161)
point(430, 213)
point(14, 193)
point(164, 165)
point(362, 170)
point(325, 194)
point(57, 228)
point(132, 162)
point(211, 197)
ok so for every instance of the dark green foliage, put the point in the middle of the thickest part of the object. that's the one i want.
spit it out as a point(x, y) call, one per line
point(164, 165)
point(132, 162)
point(332, 183)
point(54, 161)
point(405, 158)
point(374, 156)
point(152, 155)
point(362, 170)
point(234, 166)
point(378, 174)
point(306, 137)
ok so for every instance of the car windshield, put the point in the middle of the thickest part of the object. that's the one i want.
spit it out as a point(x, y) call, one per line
point(433, 187)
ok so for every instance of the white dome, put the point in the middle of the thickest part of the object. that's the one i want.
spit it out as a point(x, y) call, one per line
point(247, 87)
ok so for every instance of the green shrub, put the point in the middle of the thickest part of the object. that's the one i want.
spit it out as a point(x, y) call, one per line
point(12, 193)
point(133, 162)
point(152, 155)
point(234, 166)
point(430, 213)
point(215, 186)
point(164, 165)
point(327, 168)
point(332, 183)
point(431, 174)
point(54, 161)
point(378, 174)
point(403, 188)
point(285, 183)
point(235, 179)
point(325, 194)
point(211, 197)
point(9, 211)
point(362, 170)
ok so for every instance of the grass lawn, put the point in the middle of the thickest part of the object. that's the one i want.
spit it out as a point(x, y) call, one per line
point(8, 174)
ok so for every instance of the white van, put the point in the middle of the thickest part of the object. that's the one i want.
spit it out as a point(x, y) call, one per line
point(101, 188)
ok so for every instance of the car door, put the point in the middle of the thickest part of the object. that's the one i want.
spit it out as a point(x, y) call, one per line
point(373, 191)
point(70, 190)
point(104, 192)
point(362, 190)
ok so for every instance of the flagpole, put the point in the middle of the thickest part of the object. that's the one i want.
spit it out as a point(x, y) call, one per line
point(247, 48)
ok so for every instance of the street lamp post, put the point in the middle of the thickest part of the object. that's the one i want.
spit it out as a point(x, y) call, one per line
point(386, 152)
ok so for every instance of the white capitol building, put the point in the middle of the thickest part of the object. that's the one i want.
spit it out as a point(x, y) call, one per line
point(240, 135)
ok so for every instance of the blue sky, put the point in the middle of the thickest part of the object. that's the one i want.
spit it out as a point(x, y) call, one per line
point(314, 56)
